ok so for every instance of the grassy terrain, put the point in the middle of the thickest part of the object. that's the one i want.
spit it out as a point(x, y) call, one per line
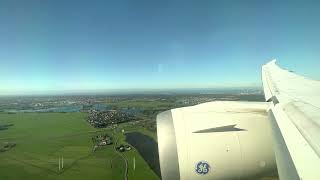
point(41, 138)
point(142, 170)
point(150, 104)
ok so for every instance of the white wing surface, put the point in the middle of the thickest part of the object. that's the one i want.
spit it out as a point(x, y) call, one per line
point(295, 121)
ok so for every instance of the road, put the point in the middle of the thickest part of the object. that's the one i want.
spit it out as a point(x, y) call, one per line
point(122, 156)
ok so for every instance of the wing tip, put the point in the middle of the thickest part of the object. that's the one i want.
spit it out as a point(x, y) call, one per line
point(272, 62)
point(266, 89)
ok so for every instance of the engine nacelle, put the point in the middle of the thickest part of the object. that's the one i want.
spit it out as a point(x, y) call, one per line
point(217, 140)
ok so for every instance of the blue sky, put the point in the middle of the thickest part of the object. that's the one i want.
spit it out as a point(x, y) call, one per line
point(49, 46)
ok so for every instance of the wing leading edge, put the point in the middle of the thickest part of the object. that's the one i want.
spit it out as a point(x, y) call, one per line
point(295, 121)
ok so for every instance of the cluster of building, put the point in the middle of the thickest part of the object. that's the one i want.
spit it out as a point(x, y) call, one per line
point(101, 140)
point(101, 119)
point(194, 100)
point(123, 148)
point(198, 100)
point(6, 146)
point(5, 126)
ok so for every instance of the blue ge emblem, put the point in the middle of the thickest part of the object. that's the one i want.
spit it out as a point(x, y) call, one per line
point(202, 167)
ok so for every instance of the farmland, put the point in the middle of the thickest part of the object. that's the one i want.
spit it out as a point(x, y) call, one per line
point(42, 138)
point(38, 132)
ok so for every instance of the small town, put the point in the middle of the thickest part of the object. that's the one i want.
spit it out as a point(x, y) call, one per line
point(100, 119)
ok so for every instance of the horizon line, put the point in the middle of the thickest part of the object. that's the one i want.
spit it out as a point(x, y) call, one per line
point(125, 91)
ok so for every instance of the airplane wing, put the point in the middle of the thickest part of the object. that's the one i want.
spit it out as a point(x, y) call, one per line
point(229, 140)
point(295, 120)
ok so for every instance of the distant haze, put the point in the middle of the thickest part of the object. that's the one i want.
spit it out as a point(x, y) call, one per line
point(228, 90)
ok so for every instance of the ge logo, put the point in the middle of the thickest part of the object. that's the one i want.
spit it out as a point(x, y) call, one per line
point(202, 167)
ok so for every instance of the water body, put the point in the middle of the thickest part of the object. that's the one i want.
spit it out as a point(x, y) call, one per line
point(101, 107)
point(54, 109)
point(131, 111)
point(147, 148)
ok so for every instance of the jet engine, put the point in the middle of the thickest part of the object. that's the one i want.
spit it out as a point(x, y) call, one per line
point(216, 140)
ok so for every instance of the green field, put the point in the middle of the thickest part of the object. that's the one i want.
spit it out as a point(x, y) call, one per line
point(41, 138)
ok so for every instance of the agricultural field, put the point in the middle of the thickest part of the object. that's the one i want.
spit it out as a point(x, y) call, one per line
point(42, 138)
point(45, 130)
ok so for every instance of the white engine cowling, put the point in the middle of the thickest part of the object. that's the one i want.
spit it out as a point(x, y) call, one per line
point(215, 140)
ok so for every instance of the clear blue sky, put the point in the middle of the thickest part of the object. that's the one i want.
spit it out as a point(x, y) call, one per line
point(63, 45)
